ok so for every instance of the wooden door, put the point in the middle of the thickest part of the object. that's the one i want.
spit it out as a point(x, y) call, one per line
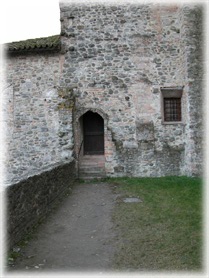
point(93, 125)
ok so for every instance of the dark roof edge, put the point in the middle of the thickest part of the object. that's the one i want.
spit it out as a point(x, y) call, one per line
point(51, 43)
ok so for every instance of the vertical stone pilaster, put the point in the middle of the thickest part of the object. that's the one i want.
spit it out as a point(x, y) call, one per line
point(193, 46)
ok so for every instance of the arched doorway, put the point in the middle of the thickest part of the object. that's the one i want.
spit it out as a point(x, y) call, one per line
point(93, 134)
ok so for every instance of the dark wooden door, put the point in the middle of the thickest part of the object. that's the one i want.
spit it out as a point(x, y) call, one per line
point(93, 127)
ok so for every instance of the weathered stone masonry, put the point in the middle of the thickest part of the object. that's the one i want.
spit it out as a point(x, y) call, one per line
point(116, 61)
point(36, 115)
point(39, 169)
point(113, 60)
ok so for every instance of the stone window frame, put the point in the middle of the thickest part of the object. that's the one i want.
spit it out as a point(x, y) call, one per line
point(171, 92)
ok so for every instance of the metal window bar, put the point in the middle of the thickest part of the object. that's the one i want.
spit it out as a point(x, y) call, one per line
point(172, 109)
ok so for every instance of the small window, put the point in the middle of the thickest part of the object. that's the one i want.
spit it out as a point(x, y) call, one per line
point(172, 109)
point(171, 104)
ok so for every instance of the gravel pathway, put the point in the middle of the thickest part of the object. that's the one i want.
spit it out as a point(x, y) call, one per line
point(78, 236)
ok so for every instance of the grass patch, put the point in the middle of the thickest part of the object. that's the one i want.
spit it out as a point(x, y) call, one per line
point(164, 232)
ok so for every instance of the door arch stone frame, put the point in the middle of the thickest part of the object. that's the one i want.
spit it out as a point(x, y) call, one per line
point(78, 128)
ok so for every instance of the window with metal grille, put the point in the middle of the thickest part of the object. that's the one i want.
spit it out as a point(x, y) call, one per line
point(172, 109)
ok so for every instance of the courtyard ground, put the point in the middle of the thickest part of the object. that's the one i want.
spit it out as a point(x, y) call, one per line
point(120, 225)
point(164, 231)
point(79, 236)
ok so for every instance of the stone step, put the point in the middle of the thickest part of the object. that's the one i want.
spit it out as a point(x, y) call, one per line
point(91, 164)
point(94, 171)
point(92, 159)
point(99, 165)
point(90, 178)
point(92, 167)
point(86, 166)
point(91, 171)
point(93, 156)
point(92, 175)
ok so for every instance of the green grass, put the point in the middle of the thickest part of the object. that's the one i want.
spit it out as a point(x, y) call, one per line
point(164, 232)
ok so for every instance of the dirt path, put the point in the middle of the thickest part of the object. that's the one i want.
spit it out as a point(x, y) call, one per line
point(79, 236)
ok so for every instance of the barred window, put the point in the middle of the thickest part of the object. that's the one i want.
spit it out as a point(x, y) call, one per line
point(172, 109)
point(171, 101)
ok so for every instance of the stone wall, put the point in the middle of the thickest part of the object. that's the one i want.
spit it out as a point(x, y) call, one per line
point(37, 113)
point(117, 59)
point(193, 45)
point(30, 200)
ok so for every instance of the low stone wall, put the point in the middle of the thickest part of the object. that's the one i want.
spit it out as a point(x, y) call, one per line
point(30, 200)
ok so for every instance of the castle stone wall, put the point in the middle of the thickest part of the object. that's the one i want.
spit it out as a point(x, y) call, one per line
point(115, 61)
point(39, 130)
point(193, 46)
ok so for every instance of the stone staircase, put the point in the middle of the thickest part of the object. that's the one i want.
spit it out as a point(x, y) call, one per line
point(92, 167)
